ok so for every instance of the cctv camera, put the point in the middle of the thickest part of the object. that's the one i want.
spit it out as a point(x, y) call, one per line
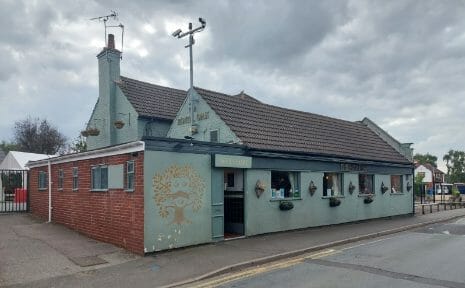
point(176, 33)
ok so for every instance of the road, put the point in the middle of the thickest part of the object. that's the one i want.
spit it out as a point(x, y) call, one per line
point(428, 257)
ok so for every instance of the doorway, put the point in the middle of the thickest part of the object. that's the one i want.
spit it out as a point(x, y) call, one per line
point(233, 203)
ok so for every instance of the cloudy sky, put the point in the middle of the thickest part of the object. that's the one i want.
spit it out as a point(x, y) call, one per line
point(400, 63)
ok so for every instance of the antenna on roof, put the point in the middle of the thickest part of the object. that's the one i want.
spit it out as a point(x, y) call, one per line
point(105, 18)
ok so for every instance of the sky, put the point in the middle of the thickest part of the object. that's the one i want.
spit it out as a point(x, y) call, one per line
point(400, 63)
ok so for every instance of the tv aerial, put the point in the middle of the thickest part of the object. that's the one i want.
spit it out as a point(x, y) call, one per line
point(104, 19)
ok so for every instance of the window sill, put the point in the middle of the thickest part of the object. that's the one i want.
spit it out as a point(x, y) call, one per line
point(60, 189)
point(129, 190)
point(398, 193)
point(285, 199)
point(75, 189)
point(366, 195)
point(42, 189)
point(98, 190)
point(338, 196)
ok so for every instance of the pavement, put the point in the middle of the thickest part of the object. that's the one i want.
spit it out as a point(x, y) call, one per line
point(23, 239)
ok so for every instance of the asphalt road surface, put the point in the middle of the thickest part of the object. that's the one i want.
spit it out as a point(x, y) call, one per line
point(433, 256)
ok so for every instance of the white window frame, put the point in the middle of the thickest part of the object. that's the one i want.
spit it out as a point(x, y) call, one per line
point(129, 174)
point(75, 178)
point(42, 185)
point(61, 176)
point(96, 178)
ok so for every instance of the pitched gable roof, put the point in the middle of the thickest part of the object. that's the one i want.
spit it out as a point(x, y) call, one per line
point(150, 100)
point(269, 127)
point(264, 126)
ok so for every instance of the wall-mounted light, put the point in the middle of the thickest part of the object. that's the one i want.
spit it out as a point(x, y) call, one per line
point(312, 188)
point(351, 188)
point(383, 188)
point(409, 186)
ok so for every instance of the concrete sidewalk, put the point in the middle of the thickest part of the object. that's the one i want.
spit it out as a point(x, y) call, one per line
point(182, 266)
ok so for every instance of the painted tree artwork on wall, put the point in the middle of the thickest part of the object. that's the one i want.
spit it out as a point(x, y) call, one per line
point(176, 189)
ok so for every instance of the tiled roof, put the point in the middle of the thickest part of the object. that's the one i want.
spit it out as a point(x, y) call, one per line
point(152, 100)
point(264, 126)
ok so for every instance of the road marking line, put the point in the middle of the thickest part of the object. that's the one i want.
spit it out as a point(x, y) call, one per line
point(264, 268)
point(368, 243)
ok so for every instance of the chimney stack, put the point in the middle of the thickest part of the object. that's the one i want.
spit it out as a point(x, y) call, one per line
point(111, 41)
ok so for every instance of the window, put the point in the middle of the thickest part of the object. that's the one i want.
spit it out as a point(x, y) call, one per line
point(75, 178)
point(99, 178)
point(332, 184)
point(60, 179)
point(214, 136)
point(284, 185)
point(366, 184)
point(130, 175)
point(396, 184)
point(42, 180)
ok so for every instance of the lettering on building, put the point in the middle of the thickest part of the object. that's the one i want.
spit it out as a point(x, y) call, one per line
point(352, 167)
point(202, 116)
point(184, 120)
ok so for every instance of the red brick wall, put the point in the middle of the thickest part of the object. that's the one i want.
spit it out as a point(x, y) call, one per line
point(114, 216)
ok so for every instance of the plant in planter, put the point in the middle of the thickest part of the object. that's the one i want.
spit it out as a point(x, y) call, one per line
point(118, 124)
point(368, 199)
point(285, 205)
point(259, 188)
point(333, 202)
point(84, 133)
point(311, 188)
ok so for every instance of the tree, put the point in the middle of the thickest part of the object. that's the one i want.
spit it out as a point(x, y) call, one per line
point(38, 136)
point(7, 146)
point(426, 159)
point(78, 145)
point(455, 162)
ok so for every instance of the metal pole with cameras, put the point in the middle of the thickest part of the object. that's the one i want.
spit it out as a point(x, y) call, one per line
point(179, 34)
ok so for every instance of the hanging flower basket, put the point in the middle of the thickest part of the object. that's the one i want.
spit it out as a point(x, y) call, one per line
point(368, 200)
point(333, 202)
point(118, 124)
point(285, 205)
point(93, 131)
point(84, 133)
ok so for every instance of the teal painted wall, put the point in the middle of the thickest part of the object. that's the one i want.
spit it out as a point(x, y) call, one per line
point(214, 122)
point(262, 215)
point(173, 181)
point(156, 128)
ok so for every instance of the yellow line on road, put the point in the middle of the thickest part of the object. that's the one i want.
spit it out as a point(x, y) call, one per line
point(263, 269)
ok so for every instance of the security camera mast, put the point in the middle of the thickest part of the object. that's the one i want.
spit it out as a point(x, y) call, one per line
point(179, 34)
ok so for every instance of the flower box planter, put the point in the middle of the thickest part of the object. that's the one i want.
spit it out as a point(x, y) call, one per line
point(285, 205)
point(368, 200)
point(333, 202)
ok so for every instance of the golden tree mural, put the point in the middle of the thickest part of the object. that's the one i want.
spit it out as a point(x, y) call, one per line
point(177, 188)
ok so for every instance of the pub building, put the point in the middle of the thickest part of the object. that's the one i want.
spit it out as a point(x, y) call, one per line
point(168, 168)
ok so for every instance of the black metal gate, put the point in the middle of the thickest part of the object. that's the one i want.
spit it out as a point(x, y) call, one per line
point(13, 191)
